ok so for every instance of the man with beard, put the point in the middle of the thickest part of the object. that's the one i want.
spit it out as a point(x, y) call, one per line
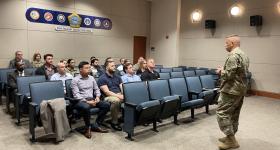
point(110, 84)
point(48, 69)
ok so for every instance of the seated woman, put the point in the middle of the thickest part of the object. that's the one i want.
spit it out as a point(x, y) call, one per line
point(142, 67)
point(37, 60)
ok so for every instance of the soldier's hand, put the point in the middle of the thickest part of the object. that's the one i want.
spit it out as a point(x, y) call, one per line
point(219, 70)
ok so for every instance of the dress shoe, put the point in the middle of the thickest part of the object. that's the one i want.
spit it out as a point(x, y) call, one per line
point(116, 127)
point(88, 133)
point(99, 129)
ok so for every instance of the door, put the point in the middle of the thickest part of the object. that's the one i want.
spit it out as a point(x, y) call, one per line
point(139, 49)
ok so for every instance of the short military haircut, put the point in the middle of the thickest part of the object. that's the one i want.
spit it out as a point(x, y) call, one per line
point(82, 63)
point(47, 55)
point(234, 38)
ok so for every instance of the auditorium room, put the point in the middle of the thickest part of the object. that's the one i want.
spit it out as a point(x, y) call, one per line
point(139, 74)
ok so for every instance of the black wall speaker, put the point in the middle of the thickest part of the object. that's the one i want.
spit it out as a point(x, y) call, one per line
point(256, 20)
point(210, 24)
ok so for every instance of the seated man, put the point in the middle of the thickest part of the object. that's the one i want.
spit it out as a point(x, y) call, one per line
point(110, 85)
point(130, 75)
point(19, 57)
point(71, 68)
point(12, 81)
point(61, 74)
point(87, 95)
point(150, 73)
point(48, 69)
point(96, 70)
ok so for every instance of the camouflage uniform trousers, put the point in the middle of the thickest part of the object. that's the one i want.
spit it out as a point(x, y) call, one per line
point(228, 112)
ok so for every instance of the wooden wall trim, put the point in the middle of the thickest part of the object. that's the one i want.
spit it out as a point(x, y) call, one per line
point(266, 94)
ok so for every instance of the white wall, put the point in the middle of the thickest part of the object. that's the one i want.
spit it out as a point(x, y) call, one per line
point(130, 18)
point(165, 21)
point(198, 47)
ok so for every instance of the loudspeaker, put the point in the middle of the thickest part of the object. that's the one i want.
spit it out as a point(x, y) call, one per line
point(210, 24)
point(256, 20)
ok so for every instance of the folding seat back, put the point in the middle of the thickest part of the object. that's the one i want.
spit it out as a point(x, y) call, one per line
point(3, 81)
point(24, 82)
point(159, 89)
point(23, 91)
point(178, 86)
point(194, 85)
point(200, 72)
point(177, 69)
point(189, 73)
point(183, 67)
point(32, 70)
point(4, 76)
point(46, 91)
point(165, 75)
point(196, 91)
point(207, 82)
point(164, 70)
point(157, 69)
point(177, 75)
point(191, 68)
point(158, 66)
point(214, 74)
point(39, 92)
point(138, 109)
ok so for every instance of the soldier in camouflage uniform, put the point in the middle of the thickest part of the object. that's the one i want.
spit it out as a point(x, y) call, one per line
point(233, 89)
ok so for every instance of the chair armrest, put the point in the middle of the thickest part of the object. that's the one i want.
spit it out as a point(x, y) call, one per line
point(180, 96)
point(194, 93)
point(33, 105)
point(205, 89)
point(71, 99)
point(18, 94)
point(130, 104)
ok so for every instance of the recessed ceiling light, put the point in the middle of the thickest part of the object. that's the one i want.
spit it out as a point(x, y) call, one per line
point(196, 16)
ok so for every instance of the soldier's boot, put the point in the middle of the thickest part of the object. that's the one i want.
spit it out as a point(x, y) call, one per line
point(223, 139)
point(229, 142)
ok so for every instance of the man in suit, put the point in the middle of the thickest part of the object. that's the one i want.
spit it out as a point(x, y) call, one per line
point(48, 69)
point(19, 57)
point(12, 79)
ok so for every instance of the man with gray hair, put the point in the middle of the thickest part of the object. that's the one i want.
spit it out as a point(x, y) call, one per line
point(233, 89)
point(19, 58)
point(61, 74)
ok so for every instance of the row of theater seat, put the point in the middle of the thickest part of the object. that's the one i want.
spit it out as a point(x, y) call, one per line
point(161, 99)
point(166, 97)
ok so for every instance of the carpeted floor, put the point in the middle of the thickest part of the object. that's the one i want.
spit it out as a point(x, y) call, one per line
point(259, 130)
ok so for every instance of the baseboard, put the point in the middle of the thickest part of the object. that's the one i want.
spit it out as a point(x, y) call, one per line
point(265, 94)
